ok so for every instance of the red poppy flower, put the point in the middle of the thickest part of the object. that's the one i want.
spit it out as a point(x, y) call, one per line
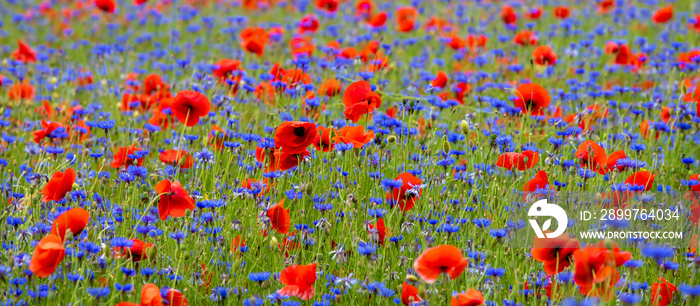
point(47, 255)
point(540, 181)
point(254, 40)
point(283, 161)
point(255, 184)
point(381, 230)
point(562, 12)
point(329, 88)
point(508, 15)
point(75, 220)
point(694, 23)
point(440, 259)
point(611, 162)
point(189, 106)
point(308, 24)
point(323, 142)
point(378, 20)
point(299, 281)
point(122, 159)
point(663, 15)
point(355, 135)
point(544, 55)
point(24, 53)
point(279, 217)
point(46, 130)
point(534, 13)
point(596, 267)
point(409, 294)
point(532, 99)
point(525, 38)
point(174, 200)
point(328, 5)
point(406, 18)
point(662, 292)
point(136, 252)
point(470, 298)
point(440, 80)
point(521, 161)
point(294, 137)
point(153, 83)
point(359, 100)
point(364, 8)
point(408, 193)
point(641, 178)
point(555, 253)
point(226, 68)
point(107, 6)
point(623, 55)
point(21, 91)
point(175, 298)
point(177, 157)
point(605, 6)
point(150, 295)
point(592, 156)
point(59, 185)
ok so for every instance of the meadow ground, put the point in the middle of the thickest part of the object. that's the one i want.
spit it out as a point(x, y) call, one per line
point(349, 152)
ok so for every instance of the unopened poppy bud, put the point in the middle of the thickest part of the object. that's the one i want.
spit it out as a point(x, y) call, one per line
point(412, 103)
point(188, 212)
point(382, 145)
point(53, 80)
point(609, 243)
point(465, 126)
point(69, 235)
point(75, 186)
point(411, 278)
point(182, 247)
point(391, 139)
point(274, 243)
point(422, 292)
point(152, 252)
point(446, 146)
point(309, 189)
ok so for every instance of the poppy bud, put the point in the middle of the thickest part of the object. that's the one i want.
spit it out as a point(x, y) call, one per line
point(411, 103)
point(274, 243)
point(69, 235)
point(309, 189)
point(382, 145)
point(391, 139)
point(609, 243)
point(152, 252)
point(135, 162)
point(446, 146)
point(411, 278)
point(75, 186)
point(53, 80)
point(465, 127)
point(188, 212)
point(356, 152)
point(422, 292)
point(183, 247)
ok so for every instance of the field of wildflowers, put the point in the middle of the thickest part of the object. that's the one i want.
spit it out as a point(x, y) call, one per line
point(348, 152)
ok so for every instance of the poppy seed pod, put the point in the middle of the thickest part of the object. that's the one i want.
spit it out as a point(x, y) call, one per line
point(391, 139)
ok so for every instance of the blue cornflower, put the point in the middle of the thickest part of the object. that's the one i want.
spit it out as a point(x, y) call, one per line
point(118, 242)
point(259, 277)
point(366, 248)
point(98, 292)
point(658, 253)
